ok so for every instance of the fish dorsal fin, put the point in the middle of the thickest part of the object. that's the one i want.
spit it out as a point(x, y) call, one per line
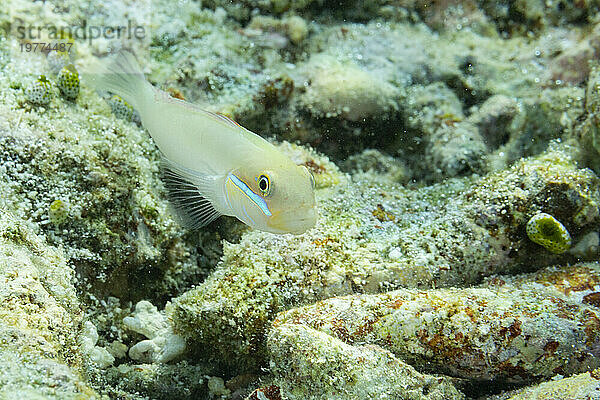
point(196, 108)
point(251, 136)
point(227, 120)
point(219, 118)
point(190, 194)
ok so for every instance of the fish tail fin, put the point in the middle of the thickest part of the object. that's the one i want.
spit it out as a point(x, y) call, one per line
point(122, 76)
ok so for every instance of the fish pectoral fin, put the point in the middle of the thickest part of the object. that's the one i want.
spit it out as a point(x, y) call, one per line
point(190, 194)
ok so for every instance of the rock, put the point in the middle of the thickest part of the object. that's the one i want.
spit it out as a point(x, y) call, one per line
point(377, 164)
point(294, 28)
point(308, 364)
point(181, 380)
point(455, 149)
point(577, 387)
point(345, 90)
point(493, 119)
point(39, 318)
point(515, 330)
point(588, 131)
point(573, 64)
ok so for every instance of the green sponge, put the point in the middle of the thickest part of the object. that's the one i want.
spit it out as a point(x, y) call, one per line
point(39, 92)
point(68, 82)
point(547, 231)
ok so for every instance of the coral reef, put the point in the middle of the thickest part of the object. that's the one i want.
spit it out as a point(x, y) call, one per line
point(182, 380)
point(117, 228)
point(345, 90)
point(309, 364)
point(588, 131)
point(577, 387)
point(447, 137)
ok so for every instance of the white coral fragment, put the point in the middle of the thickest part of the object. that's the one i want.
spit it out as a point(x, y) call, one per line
point(96, 354)
point(162, 345)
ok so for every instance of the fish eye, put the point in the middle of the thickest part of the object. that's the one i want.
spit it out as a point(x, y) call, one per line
point(264, 185)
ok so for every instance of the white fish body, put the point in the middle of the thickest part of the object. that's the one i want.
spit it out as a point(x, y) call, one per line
point(213, 166)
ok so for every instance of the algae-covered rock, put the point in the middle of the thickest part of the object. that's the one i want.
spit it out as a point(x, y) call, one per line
point(518, 17)
point(577, 387)
point(294, 28)
point(548, 115)
point(378, 165)
point(372, 237)
point(182, 380)
point(345, 90)
point(447, 145)
point(455, 149)
point(40, 316)
point(514, 329)
point(493, 118)
point(588, 131)
point(308, 364)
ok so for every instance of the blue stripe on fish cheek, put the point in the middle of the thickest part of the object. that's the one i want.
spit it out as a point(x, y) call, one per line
point(247, 216)
point(253, 197)
point(227, 196)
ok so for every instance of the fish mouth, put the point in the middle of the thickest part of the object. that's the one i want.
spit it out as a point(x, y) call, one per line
point(296, 221)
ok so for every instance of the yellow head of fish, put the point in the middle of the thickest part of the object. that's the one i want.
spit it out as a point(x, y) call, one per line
point(273, 197)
